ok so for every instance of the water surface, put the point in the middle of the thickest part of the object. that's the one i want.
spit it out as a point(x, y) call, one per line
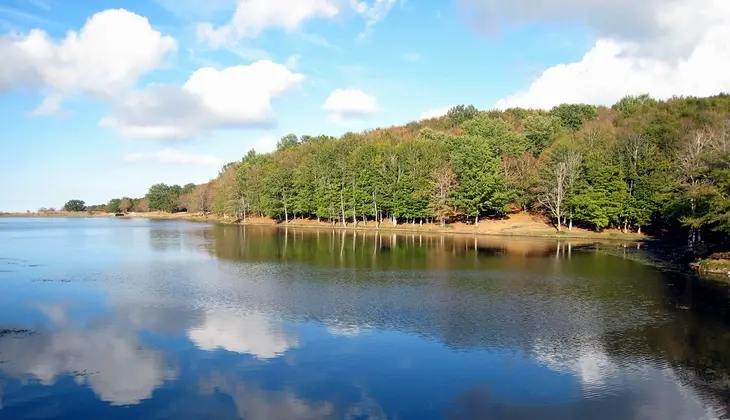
point(134, 318)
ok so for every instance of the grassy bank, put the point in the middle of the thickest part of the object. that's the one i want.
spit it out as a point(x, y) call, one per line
point(714, 264)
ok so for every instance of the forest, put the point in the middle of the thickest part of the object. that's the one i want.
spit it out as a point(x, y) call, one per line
point(641, 165)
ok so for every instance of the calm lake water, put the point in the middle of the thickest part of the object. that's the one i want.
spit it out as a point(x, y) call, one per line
point(133, 318)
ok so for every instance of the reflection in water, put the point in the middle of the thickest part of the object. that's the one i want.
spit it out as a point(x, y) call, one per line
point(253, 334)
point(254, 403)
point(109, 359)
point(196, 321)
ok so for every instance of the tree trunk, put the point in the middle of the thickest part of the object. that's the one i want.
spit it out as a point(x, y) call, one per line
point(354, 213)
point(342, 205)
point(286, 214)
point(394, 220)
point(375, 207)
point(570, 223)
point(558, 223)
point(476, 220)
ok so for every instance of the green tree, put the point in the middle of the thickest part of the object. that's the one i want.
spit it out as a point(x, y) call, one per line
point(113, 205)
point(572, 116)
point(481, 187)
point(74, 205)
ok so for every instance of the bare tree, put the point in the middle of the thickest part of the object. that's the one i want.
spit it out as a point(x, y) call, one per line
point(444, 182)
point(125, 205)
point(553, 199)
point(573, 161)
point(200, 201)
point(691, 165)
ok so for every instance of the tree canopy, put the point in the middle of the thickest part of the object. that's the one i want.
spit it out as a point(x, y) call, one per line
point(74, 205)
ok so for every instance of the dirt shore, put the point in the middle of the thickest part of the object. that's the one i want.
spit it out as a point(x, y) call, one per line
point(516, 225)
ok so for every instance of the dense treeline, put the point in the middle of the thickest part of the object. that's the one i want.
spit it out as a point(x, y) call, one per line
point(641, 164)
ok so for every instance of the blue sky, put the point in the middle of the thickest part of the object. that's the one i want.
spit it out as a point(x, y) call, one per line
point(102, 99)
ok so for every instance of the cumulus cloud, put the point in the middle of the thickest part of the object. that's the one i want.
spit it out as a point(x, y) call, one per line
point(235, 97)
point(435, 113)
point(677, 47)
point(106, 56)
point(173, 156)
point(253, 333)
point(349, 104)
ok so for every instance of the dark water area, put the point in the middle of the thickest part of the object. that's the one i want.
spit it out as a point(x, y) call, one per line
point(134, 318)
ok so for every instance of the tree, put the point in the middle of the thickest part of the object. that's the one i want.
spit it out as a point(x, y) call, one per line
point(444, 183)
point(460, 114)
point(141, 205)
point(74, 205)
point(554, 191)
point(692, 168)
point(125, 204)
point(572, 116)
point(481, 185)
point(163, 197)
point(113, 205)
point(290, 140)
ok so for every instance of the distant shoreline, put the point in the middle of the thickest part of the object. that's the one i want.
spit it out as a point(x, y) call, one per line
point(520, 225)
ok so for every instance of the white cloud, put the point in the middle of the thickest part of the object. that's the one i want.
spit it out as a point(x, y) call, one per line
point(51, 105)
point(435, 113)
point(107, 56)
point(693, 58)
point(173, 156)
point(292, 62)
point(265, 144)
point(663, 28)
point(349, 104)
point(235, 97)
point(254, 16)
point(252, 333)
point(373, 13)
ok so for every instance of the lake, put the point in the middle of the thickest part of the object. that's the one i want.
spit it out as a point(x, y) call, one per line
point(135, 318)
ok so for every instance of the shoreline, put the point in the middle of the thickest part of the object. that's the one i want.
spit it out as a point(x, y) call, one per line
point(520, 225)
point(517, 226)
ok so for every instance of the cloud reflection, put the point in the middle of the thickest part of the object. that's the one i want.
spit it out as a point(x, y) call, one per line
point(253, 403)
point(110, 360)
point(252, 333)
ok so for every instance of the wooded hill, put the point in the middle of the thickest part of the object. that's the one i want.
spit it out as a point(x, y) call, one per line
point(642, 164)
